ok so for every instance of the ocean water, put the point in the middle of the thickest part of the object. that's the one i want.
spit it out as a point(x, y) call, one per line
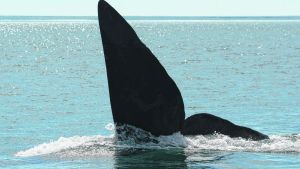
point(55, 110)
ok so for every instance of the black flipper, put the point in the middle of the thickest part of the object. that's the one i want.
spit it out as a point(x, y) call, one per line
point(205, 124)
point(142, 93)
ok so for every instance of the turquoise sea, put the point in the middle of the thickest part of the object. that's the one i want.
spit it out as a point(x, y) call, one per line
point(54, 100)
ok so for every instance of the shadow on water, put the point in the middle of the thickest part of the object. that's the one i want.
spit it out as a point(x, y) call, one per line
point(166, 158)
point(155, 158)
point(206, 159)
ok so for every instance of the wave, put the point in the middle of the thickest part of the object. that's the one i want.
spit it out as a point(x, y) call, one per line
point(94, 146)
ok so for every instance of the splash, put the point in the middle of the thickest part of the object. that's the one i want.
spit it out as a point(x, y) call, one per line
point(76, 145)
point(91, 146)
point(276, 144)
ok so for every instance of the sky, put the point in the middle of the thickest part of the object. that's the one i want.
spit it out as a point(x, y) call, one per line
point(152, 7)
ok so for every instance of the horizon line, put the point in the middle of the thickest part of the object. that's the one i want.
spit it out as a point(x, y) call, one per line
point(153, 15)
point(129, 17)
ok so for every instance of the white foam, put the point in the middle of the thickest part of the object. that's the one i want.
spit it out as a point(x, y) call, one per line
point(67, 144)
point(110, 127)
point(105, 145)
point(276, 144)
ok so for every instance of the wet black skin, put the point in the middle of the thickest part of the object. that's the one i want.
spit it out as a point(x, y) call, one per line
point(142, 93)
point(205, 124)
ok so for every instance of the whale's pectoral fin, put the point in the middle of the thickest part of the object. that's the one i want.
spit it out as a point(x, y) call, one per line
point(142, 93)
point(205, 124)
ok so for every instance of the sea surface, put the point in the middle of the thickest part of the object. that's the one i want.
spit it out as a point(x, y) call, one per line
point(54, 101)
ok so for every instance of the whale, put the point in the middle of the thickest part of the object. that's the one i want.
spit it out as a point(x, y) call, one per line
point(142, 93)
point(207, 124)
